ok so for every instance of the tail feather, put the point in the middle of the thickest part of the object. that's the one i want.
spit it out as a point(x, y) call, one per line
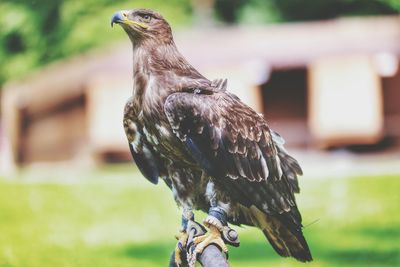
point(286, 238)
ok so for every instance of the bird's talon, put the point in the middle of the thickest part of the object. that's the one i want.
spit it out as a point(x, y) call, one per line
point(180, 246)
point(230, 236)
point(213, 237)
point(199, 239)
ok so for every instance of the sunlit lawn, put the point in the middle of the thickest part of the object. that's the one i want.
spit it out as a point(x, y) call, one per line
point(113, 217)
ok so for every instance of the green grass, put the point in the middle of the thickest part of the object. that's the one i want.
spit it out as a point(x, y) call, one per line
point(113, 217)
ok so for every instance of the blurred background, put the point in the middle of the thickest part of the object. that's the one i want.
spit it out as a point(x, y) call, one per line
point(324, 72)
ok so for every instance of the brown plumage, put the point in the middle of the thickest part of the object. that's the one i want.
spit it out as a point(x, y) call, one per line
point(210, 148)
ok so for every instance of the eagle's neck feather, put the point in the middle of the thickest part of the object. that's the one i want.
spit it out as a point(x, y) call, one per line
point(158, 71)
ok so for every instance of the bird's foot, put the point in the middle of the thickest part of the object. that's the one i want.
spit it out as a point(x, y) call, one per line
point(212, 237)
point(192, 229)
point(218, 234)
point(182, 238)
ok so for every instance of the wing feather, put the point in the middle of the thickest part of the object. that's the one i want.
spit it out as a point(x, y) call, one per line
point(219, 128)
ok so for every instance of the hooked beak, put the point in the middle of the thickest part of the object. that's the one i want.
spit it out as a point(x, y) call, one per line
point(118, 17)
point(121, 17)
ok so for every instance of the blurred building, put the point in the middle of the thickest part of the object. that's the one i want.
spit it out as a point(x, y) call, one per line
point(321, 84)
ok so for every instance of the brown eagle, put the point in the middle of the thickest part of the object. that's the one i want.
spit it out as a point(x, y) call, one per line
point(214, 152)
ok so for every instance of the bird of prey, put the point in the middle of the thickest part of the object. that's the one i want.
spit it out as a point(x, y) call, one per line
point(214, 152)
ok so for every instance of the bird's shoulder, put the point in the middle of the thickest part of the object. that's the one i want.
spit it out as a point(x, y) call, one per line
point(130, 111)
point(131, 119)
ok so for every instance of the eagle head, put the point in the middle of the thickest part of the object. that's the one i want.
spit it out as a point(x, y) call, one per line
point(143, 24)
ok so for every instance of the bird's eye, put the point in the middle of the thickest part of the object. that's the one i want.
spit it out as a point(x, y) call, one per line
point(146, 18)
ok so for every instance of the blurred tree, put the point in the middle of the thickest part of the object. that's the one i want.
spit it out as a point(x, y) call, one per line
point(36, 32)
point(260, 11)
point(228, 10)
point(18, 36)
point(295, 10)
